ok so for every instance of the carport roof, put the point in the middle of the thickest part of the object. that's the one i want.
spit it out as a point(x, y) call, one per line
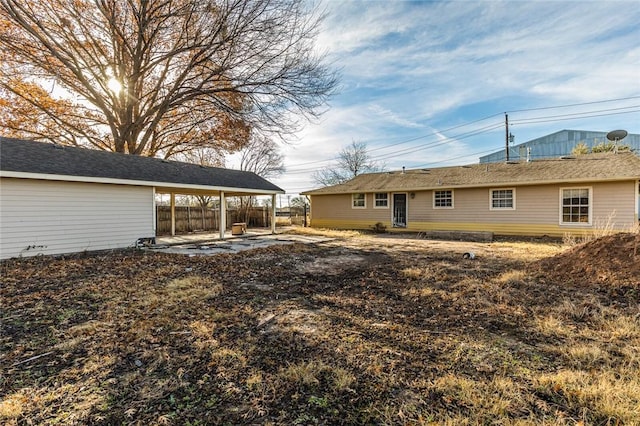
point(38, 160)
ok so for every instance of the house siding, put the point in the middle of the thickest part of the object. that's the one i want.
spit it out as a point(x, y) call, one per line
point(55, 217)
point(536, 213)
point(337, 208)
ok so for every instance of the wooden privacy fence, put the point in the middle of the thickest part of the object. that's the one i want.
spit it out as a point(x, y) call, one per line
point(197, 219)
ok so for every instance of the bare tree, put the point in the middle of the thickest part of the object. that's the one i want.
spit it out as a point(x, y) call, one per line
point(300, 202)
point(352, 161)
point(202, 156)
point(159, 77)
point(260, 156)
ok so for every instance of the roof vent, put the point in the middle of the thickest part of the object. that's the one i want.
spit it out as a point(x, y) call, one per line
point(402, 169)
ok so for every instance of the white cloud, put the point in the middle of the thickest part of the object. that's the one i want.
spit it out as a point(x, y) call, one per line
point(392, 117)
point(410, 67)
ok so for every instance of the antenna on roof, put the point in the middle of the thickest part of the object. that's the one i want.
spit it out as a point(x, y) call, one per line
point(615, 136)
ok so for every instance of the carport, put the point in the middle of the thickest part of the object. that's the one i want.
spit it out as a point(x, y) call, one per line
point(58, 199)
point(221, 194)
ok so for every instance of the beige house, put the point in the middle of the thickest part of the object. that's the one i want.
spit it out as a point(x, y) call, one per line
point(574, 195)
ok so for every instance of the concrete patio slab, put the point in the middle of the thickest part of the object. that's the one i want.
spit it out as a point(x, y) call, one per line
point(201, 245)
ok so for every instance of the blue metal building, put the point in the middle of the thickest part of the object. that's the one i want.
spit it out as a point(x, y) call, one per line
point(557, 144)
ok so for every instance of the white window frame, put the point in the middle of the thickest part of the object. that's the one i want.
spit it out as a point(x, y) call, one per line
point(638, 201)
point(353, 200)
point(590, 205)
point(375, 200)
point(513, 199)
point(443, 190)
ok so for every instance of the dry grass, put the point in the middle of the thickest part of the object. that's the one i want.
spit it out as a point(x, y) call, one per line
point(329, 233)
point(602, 227)
point(607, 394)
point(411, 333)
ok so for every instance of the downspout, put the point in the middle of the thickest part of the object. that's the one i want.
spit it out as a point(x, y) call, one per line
point(154, 218)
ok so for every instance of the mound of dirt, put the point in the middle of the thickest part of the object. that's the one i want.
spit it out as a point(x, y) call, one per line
point(608, 260)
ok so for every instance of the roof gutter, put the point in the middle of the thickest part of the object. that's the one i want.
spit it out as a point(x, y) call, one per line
point(480, 185)
point(112, 181)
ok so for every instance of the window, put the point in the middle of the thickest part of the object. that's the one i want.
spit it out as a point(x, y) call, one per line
point(443, 199)
point(381, 201)
point(503, 199)
point(358, 201)
point(576, 205)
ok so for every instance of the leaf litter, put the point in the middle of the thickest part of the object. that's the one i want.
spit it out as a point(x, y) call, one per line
point(361, 330)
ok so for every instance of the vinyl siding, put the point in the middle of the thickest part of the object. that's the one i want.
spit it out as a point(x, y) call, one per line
point(338, 207)
point(537, 211)
point(616, 200)
point(52, 217)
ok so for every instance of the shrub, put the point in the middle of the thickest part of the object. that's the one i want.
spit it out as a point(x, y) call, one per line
point(379, 228)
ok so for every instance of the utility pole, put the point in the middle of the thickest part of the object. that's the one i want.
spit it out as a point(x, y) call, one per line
point(506, 135)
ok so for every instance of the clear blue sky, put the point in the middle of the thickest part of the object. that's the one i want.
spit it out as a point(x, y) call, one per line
point(428, 83)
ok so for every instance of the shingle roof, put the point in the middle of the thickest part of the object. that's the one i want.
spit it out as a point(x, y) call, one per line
point(49, 159)
point(584, 168)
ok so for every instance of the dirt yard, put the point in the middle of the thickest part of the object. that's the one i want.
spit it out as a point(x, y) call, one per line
point(356, 330)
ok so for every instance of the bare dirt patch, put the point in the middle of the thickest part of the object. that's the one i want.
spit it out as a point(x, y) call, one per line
point(333, 265)
point(360, 330)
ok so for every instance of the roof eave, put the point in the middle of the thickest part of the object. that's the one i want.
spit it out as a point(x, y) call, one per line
point(479, 185)
point(158, 185)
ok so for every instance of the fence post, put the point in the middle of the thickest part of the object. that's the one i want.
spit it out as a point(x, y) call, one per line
point(305, 215)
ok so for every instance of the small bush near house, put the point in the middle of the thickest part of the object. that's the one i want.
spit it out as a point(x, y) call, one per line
point(379, 228)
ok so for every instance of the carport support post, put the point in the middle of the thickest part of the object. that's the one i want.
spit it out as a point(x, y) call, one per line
point(223, 214)
point(173, 214)
point(273, 213)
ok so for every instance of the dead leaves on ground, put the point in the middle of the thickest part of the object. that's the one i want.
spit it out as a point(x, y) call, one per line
point(355, 333)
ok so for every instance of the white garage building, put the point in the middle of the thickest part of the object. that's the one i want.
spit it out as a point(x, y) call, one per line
point(56, 199)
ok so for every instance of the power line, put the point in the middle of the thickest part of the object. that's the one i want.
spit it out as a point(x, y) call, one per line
point(569, 117)
point(404, 141)
point(581, 115)
point(574, 105)
point(422, 147)
point(473, 154)
point(436, 133)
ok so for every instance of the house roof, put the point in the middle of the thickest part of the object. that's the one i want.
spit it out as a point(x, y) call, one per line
point(29, 159)
point(583, 168)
